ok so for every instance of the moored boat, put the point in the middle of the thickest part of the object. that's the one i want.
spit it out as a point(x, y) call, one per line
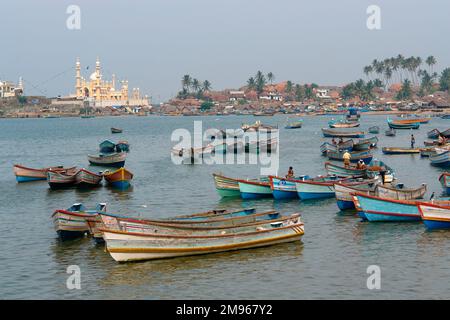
point(58, 179)
point(25, 174)
point(122, 146)
point(330, 133)
point(427, 152)
point(374, 129)
point(108, 160)
point(444, 179)
point(402, 125)
point(433, 134)
point(434, 216)
point(342, 124)
point(317, 188)
point(397, 150)
point(86, 178)
point(366, 156)
point(294, 125)
point(446, 133)
point(344, 196)
point(107, 146)
point(399, 192)
point(254, 189)
point(284, 188)
point(345, 145)
point(116, 130)
point(225, 186)
point(441, 158)
point(119, 178)
point(365, 144)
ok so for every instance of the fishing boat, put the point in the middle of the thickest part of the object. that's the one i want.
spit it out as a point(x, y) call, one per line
point(413, 120)
point(192, 155)
point(122, 146)
point(399, 192)
point(365, 144)
point(373, 208)
point(433, 134)
point(345, 145)
point(427, 152)
point(374, 129)
point(395, 150)
point(344, 192)
point(317, 188)
point(294, 125)
point(434, 216)
point(25, 174)
point(255, 189)
point(431, 143)
point(402, 125)
point(330, 133)
point(119, 178)
point(445, 116)
point(58, 179)
point(342, 171)
point(108, 160)
point(372, 170)
point(107, 146)
point(86, 178)
point(71, 223)
point(390, 133)
point(446, 133)
point(444, 179)
point(116, 130)
point(259, 145)
point(132, 246)
point(342, 124)
point(441, 158)
point(365, 156)
point(263, 114)
point(258, 126)
point(284, 188)
point(225, 186)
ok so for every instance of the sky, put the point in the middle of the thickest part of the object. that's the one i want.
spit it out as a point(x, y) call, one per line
point(154, 43)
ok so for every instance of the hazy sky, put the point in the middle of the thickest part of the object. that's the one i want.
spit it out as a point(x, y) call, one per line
point(154, 43)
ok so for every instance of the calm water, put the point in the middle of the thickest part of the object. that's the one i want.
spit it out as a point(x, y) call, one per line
point(330, 262)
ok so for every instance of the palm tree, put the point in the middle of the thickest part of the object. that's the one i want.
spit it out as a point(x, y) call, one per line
point(270, 77)
point(251, 83)
point(206, 85)
point(196, 85)
point(430, 61)
point(368, 70)
point(387, 75)
point(289, 85)
point(186, 82)
point(260, 82)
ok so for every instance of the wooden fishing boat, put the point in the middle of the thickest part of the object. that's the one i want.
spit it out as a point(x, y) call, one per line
point(72, 223)
point(119, 178)
point(263, 114)
point(341, 171)
point(365, 144)
point(446, 133)
point(366, 156)
point(258, 126)
point(342, 124)
point(131, 246)
point(390, 133)
point(316, 188)
point(225, 186)
point(427, 152)
point(344, 196)
point(374, 129)
point(254, 189)
point(433, 134)
point(330, 133)
point(395, 150)
point(108, 160)
point(444, 179)
point(192, 155)
point(86, 178)
point(441, 158)
point(116, 130)
point(122, 146)
point(284, 188)
point(58, 179)
point(402, 125)
point(445, 116)
point(401, 193)
point(107, 146)
point(25, 174)
point(413, 120)
point(294, 125)
point(258, 146)
point(345, 145)
point(434, 216)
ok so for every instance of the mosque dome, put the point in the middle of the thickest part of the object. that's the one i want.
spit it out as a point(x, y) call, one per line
point(93, 76)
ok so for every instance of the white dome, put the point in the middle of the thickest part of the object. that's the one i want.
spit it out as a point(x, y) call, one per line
point(93, 76)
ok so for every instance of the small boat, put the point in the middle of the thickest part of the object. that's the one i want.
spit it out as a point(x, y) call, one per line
point(427, 152)
point(445, 116)
point(341, 171)
point(433, 134)
point(191, 155)
point(374, 129)
point(431, 143)
point(86, 178)
point(390, 133)
point(132, 246)
point(413, 120)
point(263, 114)
point(434, 216)
point(258, 126)
point(258, 146)
point(119, 178)
point(58, 179)
point(25, 174)
point(107, 146)
point(225, 186)
point(284, 188)
point(365, 156)
point(72, 223)
point(116, 130)
point(344, 196)
point(399, 192)
point(108, 160)
point(444, 179)
point(365, 144)
point(373, 141)
point(342, 124)
point(122, 146)
point(254, 189)
point(317, 188)
point(397, 124)
point(345, 145)
point(294, 125)
point(329, 133)
point(441, 158)
point(446, 133)
point(394, 150)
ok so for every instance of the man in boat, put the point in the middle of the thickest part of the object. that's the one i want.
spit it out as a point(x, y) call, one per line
point(290, 173)
point(361, 165)
point(346, 158)
point(413, 141)
point(333, 141)
point(442, 140)
point(383, 173)
point(341, 140)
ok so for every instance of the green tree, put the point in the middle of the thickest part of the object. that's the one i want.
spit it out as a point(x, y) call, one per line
point(299, 93)
point(444, 80)
point(206, 85)
point(405, 92)
point(186, 82)
point(196, 85)
point(260, 82)
point(207, 105)
point(251, 83)
point(270, 77)
point(289, 87)
point(430, 61)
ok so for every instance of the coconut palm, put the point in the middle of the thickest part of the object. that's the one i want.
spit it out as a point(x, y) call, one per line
point(251, 83)
point(196, 85)
point(270, 77)
point(430, 61)
point(289, 86)
point(206, 85)
point(186, 82)
point(368, 70)
point(260, 82)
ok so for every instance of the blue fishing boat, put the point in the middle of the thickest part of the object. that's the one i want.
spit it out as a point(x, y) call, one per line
point(336, 133)
point(284, 188)
point(316, 188)
point(374, 129)
point(435, 216)
point(107, 146)
point(254, 189)
point(344, 192)
point(445, 116)
point(402, 125)
point(345, 145)
point(441, 158)
point(374, 208)
point(122, 146)
point(444, 179)
point(433, 134)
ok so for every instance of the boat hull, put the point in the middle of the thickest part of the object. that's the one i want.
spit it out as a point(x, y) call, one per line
point(225, 186)
point(309, 191)
point(345, 205)
point(119, 179)
point(254, 191)
point(116, 160)
point(283, 189)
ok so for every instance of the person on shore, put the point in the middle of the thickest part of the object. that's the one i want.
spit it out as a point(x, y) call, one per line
point(290, 173)
point(413, 141)
point(347, 156)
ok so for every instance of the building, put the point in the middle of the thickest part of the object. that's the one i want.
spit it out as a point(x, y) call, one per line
point(9, 89)
point(105, 93)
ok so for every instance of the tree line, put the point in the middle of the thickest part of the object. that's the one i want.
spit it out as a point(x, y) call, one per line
point(192, 87)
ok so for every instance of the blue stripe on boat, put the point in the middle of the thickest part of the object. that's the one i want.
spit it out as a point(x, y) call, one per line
point(315, 195)
point(345, 205)
point(121, 184)
point(362, 215)
point(28, 179)
point(248, 195)
point(433, 224)
point(284, 195)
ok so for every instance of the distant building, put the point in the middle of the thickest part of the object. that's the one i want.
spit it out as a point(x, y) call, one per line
point(10, 89)
point(322, 94)
point(272, 96)
point(236, 95)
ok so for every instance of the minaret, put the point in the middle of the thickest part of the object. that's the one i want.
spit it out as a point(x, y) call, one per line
point(78, 90)
point(113, 81)
point(98, 77)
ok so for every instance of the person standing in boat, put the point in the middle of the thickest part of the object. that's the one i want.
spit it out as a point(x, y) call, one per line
point(413, 141)
point(290, 173)
point(347, 156)
point(383, 174)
